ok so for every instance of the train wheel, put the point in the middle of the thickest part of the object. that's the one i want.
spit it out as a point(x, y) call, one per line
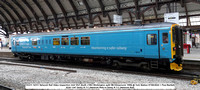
point(52, 57)
point(21, 58)
point(30, 58)
point(116, 65)
point(145, 67)
point(109, 62)
point(15, 55)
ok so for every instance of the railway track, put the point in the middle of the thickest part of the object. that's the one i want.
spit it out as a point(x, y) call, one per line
point(4, 88)
point(36, 66)
point(183, 75)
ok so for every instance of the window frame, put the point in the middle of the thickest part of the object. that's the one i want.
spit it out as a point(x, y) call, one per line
point(74, 40)
point(165, 39)
point(57, 41)
point(85, 40)
point(34, 40)
point(64, 40)
point(151, 39)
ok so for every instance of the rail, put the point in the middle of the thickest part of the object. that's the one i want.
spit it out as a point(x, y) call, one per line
point(4, 88)
point(37, 66)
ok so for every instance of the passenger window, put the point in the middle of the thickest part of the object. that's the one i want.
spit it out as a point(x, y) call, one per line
point(42, 41)
point(65, 41)
point(152, 39)
point(165, 37)
point(74, 41)
point(85, 40)
point(56, 41)
point(34, 41)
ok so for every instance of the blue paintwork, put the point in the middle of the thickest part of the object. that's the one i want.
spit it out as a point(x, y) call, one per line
point(125, 43)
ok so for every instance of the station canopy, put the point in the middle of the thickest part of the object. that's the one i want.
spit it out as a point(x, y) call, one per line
point(24, 16)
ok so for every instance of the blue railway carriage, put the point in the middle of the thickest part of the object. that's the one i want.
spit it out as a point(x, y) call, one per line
point(151, 46)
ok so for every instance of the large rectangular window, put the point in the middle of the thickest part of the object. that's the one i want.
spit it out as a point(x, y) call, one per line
point(74, 41)
point(152, 39)
point(165, 37)
point(65, 41)
point(34, 41)
point(56, 41)
point(85, 40)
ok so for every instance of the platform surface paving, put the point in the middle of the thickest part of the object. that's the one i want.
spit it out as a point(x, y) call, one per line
point(193, 55)
point(5, 49)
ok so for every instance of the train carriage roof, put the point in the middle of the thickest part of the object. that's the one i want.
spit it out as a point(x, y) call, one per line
point(115, 28)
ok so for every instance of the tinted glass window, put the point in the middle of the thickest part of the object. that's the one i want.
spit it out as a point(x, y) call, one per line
point(165, 37)
point(65, 41)
point(152, 39)
point(85, 40)
point(56, 41)
point(74, 41)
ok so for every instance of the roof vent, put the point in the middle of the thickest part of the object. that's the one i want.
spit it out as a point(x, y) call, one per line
point(138, 22)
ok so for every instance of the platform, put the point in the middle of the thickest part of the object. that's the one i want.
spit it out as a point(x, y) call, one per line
point(4, 88)
point(6, 52)
point(5, 49)
point(194, 55)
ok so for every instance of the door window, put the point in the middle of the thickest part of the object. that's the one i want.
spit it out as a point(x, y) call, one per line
point(165, 38)
point(151, 39)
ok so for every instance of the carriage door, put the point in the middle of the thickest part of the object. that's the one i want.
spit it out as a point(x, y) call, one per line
point(151, 44)
point(165, 46)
